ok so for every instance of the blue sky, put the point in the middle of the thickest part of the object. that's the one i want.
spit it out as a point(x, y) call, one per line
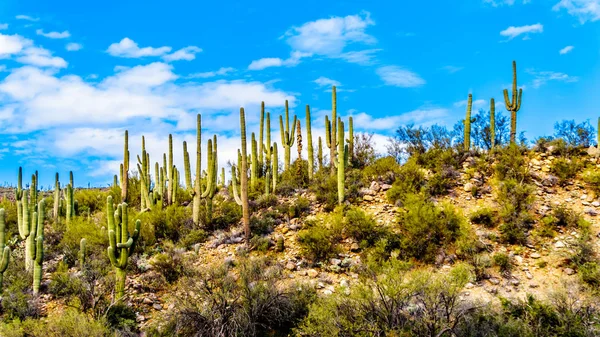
point(74, 75)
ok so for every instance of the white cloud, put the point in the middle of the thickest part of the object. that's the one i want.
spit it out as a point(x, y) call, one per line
point(512, 31)
point(423, 116)
point(41, 57)
point(27, 18)
point(73, 46)
point(584, 10)
point(54, 35)
point(130, 49)
point(543, 77)
point(269, 62)
point(187, 54)
point(221, 72)
point(3, 26)
point(399, 77)
point(12, 44)
point(566, 50)
point(476, 104)
point(326, 82)
point(325, 37)
point(498, 3)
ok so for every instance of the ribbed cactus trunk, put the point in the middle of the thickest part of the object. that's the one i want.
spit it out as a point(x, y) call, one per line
point(69, 193)
point(514, 105)
point(350, 140)
point(5, 251)
point(19, 198)
point(254, 164)
point(55, 210)
point(38, 248)
point(195, 190)
point(275, 160)
point(467, 137)
point(32, 211)
point(121, 245)
point(82, 252)
point(125, 168)
point(341, 163)
point(492, 123)
point(223, 182)
point(171, 174)
point(287, 136)
point(310, 150)
point(320, 154)
point(261, 144)
point(211, 176)
point(244, 178)
point(143, 166)
point(330, 131)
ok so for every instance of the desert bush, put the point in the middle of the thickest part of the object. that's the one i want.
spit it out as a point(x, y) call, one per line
point(364, 150)
point(164, 224)
point(226, 213)
point(592, 179)
point(266, 201)
point(90, 200)
point(83, 227)
point(565, 169)
point(510, 164)
point(260, 243)
point(426, 228)
point(565, 216)
point(324, 186)
point(575, 135)
point(590, 273)
point(263, 224)
point(384, 169)
point(193, 237)
point(247, 300)
point(121, 319)
point(69, 323)
point(317, 242)
point(516, 200)
point(502, 261)
point(410, 180)
point(484, 216)
point(442, 181)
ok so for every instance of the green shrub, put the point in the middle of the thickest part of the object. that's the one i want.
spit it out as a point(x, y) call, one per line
point(260, 243)
point(426, 227)
point(170, 263)
point(484, 216)
point(516, 200)
point(68, 323)
point(90, 200)
point(121, 317)
point(410, 180)
point(83, 227)
point(360, 226)
point(384, 169)
point(324, 186)
point(194, 237)
point(263, 224)
point(502, 261)
point(592, 179)
point(510, 164)
point(565, 216)
point(226, 213)
point(317, 242)
point(441, 182)
point(266, 201)
point(164, 224)
point(590, 273)
point(565, 169)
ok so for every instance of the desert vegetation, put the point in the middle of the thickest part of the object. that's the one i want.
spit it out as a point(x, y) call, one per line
point(474, 231)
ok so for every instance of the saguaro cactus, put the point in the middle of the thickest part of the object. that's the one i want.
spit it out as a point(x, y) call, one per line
point(211, 175)
point(261, 145)
point(311, 158)
point(320, 154)
point(492, 123)
point(598, 140)
point(37, 248)
point(275, 165)
point(82, 252)
point(330, 131)
point(243, 200)
point(350, 140)
point(143, 166)
point(467, 138)
point(5, 251)
point(287, 135)
point(171, 174)
point(514, 105)
point(121, 245)
point(341, 162)
point(125, 168)
point(253, 164)
point(19, 198)
point(55, 212)
point(70, 199)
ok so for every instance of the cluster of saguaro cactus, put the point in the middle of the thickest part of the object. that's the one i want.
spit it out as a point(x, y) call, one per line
point(4, 250)
point(287, 136)
point(121, 244)
point(242, 197)
point(143, 166)
point(467, 137)
point(513, 105)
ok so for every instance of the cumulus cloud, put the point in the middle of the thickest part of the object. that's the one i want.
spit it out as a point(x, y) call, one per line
point(41, 57)
point(3, 26)
point(399, 77)
point(220, 72)
point(326, 82)
point(73, 46)
point(130, 49)
point(514, 31)
point(27, 18)
point(543, 77)
point(566, 50)
point(186, 54)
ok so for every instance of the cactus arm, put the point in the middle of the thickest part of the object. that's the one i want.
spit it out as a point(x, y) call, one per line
point(234, 186)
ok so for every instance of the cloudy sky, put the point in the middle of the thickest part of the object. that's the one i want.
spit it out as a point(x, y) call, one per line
point(74, 76)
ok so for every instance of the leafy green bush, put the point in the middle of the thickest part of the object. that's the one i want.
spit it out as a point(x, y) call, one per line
point(317, 242)
point(324, 186)
point(68, 323)
point(442, 181)
point(121, 318)
point(592, 179)
point(410, 180)
point(260, 243)
point(502, 261)
point(263, 224)
point(565, 216)
point(359, 225)
point(90, 200)
point(384, 169)
point(266, 201)
point(83, 227)
point(516, 200)
point(226, 213)
point(510, 164)
point(590, 273)
point(195, 236)
point(426, 227)
point(484, 216)
point(565, 169)
point(164, 224)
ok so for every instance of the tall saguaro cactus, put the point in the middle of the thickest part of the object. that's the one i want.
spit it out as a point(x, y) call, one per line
point(261, 145)
point(275, 165)
point(37, 248)
point(320, 154)
point(4, 250)
point(330, 131)
point(19, 198)
point(253, 163)
point(242, 200)
point(287, 135)
point(172, 175)
point(211, 175)
point(70, 199)
point(55, 213)
point(467, 138)
point(143, 166)
point(350, 140)
point(125, 168)
point(514, 105)
point(121, 244)
point(341, 162)
point(492, 123)
point(309, 144)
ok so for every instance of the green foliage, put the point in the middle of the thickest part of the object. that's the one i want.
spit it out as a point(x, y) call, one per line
point(247, 300)
point(590, 273)
point(516, 200)
point(194, 237)
point(426, 227)
point(260, 243)
point(121, 317)
point(263, 224)
point(317, 242)
point(80, 227)
point(225, 214)
point(324, 186)
point(69, 323)
point(410, 180)
point(565, 169)
point(90, 200)
point(164, 224)
point(592, 179)
point(384, 169)
point(502, 261)
point(510, 164)
point(442, 181)
point(484, 216)
point(266, 201)
point(169, 264)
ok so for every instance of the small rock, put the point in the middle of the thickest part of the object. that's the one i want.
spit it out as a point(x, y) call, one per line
point(533, 285)
point(569, 271)
point(344, 283)
point(368, 198)
point(468, 187)
point(312, 273)
point(354, 247)
point(157, 306)
point(290, 266)
point(335, 262)
point(375, 186)
point(385, 187)
point(596, 204)
point(148, 301)
point(494, 281)
point(528, 275)
point(535, 255)
point(515, 282)
point(590, 211)
point(469, 285)
point(559, 244)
